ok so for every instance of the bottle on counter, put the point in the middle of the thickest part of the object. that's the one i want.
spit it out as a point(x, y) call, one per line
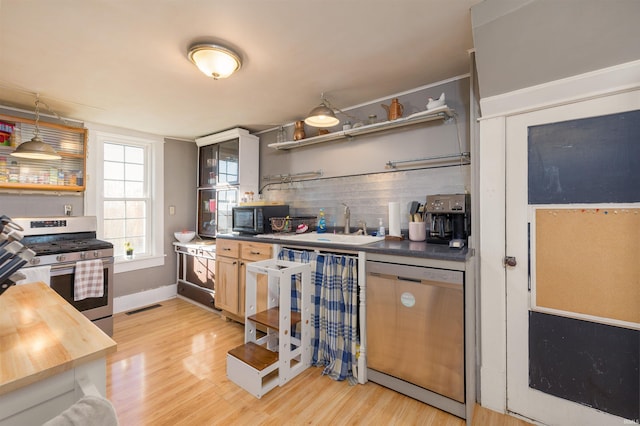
point(322, 222)
point(381, 230)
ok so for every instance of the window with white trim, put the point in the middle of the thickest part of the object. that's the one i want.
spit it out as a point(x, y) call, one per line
point(126, 198)
point(125, 193)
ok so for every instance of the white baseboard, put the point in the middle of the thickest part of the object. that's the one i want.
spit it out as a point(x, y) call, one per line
point(144, 298)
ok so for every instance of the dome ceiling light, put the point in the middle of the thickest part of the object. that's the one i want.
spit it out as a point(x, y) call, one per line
point(214, 60)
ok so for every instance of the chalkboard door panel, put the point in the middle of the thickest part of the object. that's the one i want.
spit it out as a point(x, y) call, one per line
point(592, 364)
point(590, 160)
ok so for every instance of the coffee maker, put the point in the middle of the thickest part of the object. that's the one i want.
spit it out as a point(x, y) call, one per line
point(448, 219)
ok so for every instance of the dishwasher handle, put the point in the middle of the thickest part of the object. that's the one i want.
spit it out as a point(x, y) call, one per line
point(415, 273)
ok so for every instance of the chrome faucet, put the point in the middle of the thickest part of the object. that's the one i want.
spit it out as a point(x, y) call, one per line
point(347, 219)
point(363, 230)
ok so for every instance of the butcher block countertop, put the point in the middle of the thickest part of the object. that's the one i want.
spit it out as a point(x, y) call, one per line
point(42, 335)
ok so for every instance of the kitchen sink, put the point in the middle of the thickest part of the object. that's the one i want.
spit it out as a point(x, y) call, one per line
point(346, 239)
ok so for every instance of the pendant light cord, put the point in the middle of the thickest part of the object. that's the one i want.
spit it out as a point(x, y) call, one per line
point(38, 102)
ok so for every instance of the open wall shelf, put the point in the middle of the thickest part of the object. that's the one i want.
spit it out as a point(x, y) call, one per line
point(441, 113)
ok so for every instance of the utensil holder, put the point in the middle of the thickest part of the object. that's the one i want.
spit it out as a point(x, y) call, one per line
point(417, 231)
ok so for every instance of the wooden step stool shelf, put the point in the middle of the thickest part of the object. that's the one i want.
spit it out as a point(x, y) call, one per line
point(272, 360)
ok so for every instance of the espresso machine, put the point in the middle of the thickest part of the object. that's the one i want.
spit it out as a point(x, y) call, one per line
point(448, 218)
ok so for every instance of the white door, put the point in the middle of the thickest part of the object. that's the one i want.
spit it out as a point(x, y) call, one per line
point(521, 398)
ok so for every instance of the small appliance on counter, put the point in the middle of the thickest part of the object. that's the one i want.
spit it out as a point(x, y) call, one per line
point(448, 219)
point(256, 219)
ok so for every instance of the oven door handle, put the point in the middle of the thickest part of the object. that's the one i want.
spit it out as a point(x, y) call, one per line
point(68, 267)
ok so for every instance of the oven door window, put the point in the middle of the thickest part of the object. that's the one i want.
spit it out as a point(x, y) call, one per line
point(62, 283)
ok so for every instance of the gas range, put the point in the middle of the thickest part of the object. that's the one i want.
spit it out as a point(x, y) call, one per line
point(63, 239)
point(60, 244)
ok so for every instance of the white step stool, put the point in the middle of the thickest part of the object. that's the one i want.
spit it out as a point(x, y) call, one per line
point(263, 363)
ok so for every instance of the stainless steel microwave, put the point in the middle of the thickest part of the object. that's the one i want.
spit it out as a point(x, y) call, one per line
point(256, 219)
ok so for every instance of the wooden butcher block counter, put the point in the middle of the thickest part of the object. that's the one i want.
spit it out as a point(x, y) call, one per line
point(47, 347)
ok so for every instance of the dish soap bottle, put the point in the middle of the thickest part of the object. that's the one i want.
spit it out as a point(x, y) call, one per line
point(380, 228)
point(322, 222)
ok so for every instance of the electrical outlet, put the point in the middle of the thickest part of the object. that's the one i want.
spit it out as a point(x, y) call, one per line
point(68, 209)
point(172, 210)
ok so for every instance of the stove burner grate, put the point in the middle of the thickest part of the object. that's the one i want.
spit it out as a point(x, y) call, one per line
point(68, 246)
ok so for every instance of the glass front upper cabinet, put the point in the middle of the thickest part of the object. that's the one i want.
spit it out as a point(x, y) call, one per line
point(219, 164)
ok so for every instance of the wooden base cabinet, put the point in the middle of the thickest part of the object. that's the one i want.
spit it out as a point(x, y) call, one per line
point(232, 258)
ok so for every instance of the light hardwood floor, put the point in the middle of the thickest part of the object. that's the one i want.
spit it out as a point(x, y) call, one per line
point(170, 369)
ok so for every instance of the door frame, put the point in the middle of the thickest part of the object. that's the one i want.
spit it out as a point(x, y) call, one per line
point(492, 193)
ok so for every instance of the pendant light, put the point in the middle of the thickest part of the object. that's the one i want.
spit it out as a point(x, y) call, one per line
point(36, 149)
point(322, 115)
point(213, 60)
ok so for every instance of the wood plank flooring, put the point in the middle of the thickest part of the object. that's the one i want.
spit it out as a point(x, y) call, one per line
point(170, 369)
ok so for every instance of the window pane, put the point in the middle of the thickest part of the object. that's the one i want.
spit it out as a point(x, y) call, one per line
point(114, 228)
point(134, 154)
point(113, 189)
point(134, 172)
point(136, 209)
point(114, 209)
point(135, 227)
point(134, 190)
point(113, 152)
point(113, 170)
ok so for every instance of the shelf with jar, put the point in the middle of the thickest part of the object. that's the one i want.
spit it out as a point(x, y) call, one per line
point(65, 174)
point(440, 113)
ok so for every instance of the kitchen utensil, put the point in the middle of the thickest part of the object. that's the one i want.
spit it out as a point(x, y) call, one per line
point(8, 268)
point(6, 238)
point(10, 250)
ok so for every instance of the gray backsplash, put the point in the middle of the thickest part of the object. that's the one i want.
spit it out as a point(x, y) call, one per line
point(367, 196)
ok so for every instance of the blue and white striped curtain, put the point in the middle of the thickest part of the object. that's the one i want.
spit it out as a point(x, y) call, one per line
point(334, 336)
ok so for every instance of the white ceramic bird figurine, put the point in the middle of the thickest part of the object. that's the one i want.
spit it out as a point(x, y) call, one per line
point(436, 103)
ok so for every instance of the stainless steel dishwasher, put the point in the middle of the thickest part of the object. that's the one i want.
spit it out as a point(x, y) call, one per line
point(415, 332)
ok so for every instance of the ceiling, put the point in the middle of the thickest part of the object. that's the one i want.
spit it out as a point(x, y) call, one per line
point(123, 63)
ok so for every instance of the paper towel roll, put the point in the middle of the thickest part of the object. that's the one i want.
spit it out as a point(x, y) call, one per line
point(394, 219)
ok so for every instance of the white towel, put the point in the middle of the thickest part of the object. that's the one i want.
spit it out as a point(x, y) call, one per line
point(36, 273)
point(89, 279)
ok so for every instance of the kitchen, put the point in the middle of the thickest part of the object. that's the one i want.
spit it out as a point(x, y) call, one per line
point(492, 30)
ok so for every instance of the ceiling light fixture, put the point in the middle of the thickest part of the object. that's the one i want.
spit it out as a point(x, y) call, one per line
point(36, 149)
point(214, 60)
point(322, 115)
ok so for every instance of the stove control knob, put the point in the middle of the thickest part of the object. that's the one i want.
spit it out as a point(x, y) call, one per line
point(83, 255)
point(96, 253)
point(61, 258)
point(35, 261)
